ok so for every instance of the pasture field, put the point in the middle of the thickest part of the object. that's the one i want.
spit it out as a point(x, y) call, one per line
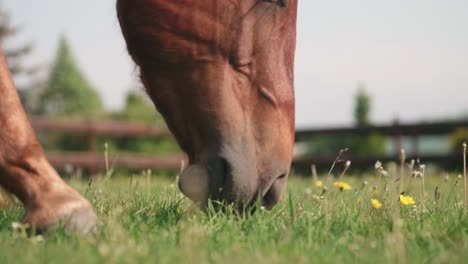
point(147, 220)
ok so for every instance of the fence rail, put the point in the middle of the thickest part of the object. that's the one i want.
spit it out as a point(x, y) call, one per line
point(423, 128)
point(94, 161)
point(303, 165)
point(113, 129)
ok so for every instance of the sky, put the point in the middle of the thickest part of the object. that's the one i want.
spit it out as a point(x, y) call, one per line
point(412, 56)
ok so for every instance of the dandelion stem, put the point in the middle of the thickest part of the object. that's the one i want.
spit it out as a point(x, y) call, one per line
point(106, 158)
point(422, 191)
point(342, 151)
point(422, 171)
point(313, 168)
point(402, 168)
point(464, 174)
point(410, 183)
point(348, 163)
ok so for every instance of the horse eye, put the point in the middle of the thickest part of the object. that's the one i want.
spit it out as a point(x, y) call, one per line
point(282, 3)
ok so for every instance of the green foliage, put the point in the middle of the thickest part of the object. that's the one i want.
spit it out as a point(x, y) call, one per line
point(25, 76)
point(13, 55)
point(362, 107)
point(147, 220)
point(457, 138)
point(139, 109)
point(67, 92)
point(360, 145)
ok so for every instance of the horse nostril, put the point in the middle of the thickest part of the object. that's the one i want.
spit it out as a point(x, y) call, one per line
point(273, 195)
point(205, 180)
point(193, 182)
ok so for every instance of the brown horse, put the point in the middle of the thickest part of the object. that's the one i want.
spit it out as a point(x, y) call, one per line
point(221, 74)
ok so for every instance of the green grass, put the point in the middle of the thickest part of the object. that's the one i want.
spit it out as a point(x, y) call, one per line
point(148, 221)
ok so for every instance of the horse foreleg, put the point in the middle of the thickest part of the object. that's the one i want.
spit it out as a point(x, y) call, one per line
point(26, 173)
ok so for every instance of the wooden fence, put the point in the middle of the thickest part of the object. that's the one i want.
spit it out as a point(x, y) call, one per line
point(396, 132)
point(94, 161)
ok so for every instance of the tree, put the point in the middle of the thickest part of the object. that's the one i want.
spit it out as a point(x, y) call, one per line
point(362, 107)
point(68, 92)
point(25, 76)
point(359, 145)
point(14, 56)
point(138, 108)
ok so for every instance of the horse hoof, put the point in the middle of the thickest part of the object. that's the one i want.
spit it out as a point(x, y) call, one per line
point(76, 219)
point(81, 221)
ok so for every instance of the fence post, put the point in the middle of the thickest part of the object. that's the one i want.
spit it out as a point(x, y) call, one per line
point(92, 142)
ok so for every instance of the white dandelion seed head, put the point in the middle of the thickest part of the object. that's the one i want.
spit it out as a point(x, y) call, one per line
point(15, 225)
point(378, 165)
point(384, 173)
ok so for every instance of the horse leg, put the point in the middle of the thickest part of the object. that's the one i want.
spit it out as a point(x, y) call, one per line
point(26, 173)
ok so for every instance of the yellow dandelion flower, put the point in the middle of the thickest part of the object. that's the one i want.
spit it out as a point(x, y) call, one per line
point(319, 184)
point(342, 185)
point(376, 203)
point(406, 200)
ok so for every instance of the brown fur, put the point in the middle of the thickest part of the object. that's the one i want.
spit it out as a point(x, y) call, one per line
point(24, 170)
point(221, 74)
